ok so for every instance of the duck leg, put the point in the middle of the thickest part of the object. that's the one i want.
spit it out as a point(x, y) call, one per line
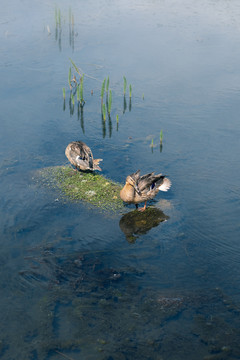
point(143, 208)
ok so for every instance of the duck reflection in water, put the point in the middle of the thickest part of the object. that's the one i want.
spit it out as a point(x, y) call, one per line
point(135, 223)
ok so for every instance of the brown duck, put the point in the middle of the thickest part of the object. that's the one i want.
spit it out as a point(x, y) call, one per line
point(139, 189)
point(81, 157)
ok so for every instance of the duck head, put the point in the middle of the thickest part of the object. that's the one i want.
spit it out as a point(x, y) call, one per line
point(132, 182)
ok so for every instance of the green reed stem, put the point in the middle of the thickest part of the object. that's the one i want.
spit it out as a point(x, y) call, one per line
point(161, 137)
point(103, 89)
point(75, 67)
point(64, 93)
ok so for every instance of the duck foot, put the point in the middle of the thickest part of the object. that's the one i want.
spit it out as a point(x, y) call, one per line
point(143, 208)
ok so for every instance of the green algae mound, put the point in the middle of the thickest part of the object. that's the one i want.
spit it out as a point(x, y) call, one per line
point(90, 187)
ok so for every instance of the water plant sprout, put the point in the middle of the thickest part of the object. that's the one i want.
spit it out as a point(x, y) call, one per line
point(76, 85)
point(109, 102)
point(81, 91)
point(161, 137)
point(76, 80)
point(103, 90)
point(107, 85)
point(130, 91)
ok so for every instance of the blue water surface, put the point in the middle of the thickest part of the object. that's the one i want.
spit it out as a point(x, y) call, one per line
point(77, 282)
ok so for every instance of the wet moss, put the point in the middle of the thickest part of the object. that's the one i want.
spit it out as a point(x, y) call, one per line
point(90, 187)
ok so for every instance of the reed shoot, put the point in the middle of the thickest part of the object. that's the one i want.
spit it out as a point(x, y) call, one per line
point(124, 85)
point(104, 112)
point(110, 102)
point(103, 89)
point(75, 67)
point(161, 137)
point(130, 91)
point(64, 93)
point(151, 144)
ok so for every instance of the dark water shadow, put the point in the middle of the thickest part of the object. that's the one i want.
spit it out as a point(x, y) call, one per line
point(136, 223)
point(109, 126)
point(124, 104)
point(130, 104)
point(81, 117)
point(103, 127)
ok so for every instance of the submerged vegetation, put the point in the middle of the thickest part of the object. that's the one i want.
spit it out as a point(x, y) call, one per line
point(90, 187)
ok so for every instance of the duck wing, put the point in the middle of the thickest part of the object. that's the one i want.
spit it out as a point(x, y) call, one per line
point(146, 181)
point(152, 182)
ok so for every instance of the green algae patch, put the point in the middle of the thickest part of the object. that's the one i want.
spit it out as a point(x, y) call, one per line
point(90, 187)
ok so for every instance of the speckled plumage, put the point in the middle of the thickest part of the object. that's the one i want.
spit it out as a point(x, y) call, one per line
point(81, 157)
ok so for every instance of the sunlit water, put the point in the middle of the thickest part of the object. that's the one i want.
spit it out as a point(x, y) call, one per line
point(77, 282)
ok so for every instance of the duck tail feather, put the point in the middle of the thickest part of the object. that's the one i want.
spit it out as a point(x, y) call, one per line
point(165, 185)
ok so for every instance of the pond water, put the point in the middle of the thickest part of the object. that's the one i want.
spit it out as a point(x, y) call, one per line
point(80, 283)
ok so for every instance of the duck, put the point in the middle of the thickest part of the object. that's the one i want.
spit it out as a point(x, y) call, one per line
point(81, 157)
point(139, 189)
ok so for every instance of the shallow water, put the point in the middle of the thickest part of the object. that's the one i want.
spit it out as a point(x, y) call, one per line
point(79, 282)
